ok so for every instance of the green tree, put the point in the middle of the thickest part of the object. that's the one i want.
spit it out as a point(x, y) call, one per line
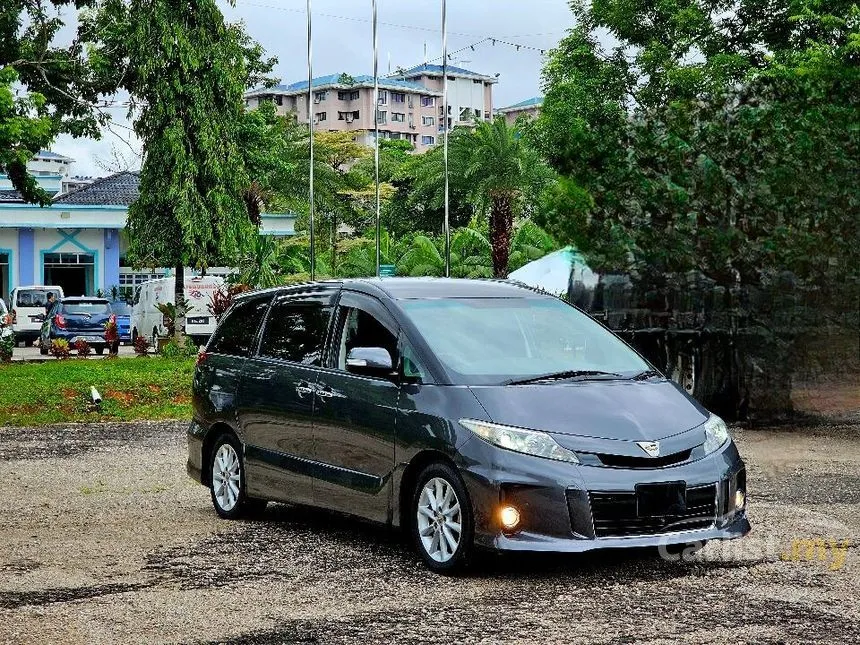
point(187, 70)
point(718, 141)
point(45, 89)
point(504, 176)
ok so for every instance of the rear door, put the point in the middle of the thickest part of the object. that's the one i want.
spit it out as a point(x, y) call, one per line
point(355, 416)
point(217, 376)
point(277, 396)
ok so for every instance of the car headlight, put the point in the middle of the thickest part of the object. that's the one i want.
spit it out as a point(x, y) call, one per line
point(528, 442)
point(716, 434)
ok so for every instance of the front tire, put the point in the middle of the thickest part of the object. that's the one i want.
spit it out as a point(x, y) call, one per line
point(227, 481)
point(442, 522)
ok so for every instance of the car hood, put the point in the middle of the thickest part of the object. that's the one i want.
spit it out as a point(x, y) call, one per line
point(624, 410)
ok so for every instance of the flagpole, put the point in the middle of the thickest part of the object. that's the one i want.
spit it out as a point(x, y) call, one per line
point(311, 128)
point(445, 134)
point(376, 126)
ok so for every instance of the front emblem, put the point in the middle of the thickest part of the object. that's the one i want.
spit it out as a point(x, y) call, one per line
point(651, 447)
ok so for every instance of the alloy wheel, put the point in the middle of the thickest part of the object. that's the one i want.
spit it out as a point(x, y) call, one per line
point(226, 475)
point(440, 519)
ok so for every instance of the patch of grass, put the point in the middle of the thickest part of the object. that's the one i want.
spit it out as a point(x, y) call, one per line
point(59, 391)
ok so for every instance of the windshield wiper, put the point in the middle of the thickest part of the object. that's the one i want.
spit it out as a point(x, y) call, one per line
point(645, 375)
point(558, 376)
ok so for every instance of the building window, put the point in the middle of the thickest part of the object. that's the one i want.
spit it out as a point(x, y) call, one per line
point(279, 100)
point(427, 140)
point(398, 117)
point(452, 78)
point(398, 97)
point(428, 101)
point(428, 120)
point(347, 95)
point(347, 116)
point(320, 96)
point(393, 135)
point(321, 116)
point(475, 80)
point(383, 97)
point(381, 116)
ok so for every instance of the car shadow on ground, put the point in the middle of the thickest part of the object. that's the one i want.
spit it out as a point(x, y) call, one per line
point(342, 541)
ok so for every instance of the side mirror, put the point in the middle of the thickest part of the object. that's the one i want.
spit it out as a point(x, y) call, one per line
point(369, 360)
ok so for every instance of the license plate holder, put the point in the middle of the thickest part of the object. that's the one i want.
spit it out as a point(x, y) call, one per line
point(661, 500)
point(199, 320)
point(90, 339)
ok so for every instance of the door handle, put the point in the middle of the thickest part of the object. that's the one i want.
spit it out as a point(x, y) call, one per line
point(326, 393)
point(304, 388)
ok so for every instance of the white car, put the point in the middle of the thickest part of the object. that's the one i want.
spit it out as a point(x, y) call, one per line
point(148, 321)
point(28, 310)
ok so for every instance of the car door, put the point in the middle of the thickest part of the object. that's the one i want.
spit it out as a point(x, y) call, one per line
point(354, 422)
point(277, 396)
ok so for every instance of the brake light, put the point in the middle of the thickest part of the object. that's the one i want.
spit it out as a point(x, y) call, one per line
point(59, 321)
point(201, 357)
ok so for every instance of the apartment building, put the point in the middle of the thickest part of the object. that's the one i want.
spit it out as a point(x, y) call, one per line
point(410, 103)
point(530, 107)
point(405, 110)
point(470, 94)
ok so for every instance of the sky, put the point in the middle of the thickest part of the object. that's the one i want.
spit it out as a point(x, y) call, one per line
point(342, 42)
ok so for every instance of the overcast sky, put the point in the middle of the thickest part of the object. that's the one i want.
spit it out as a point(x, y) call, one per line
point(343, 43)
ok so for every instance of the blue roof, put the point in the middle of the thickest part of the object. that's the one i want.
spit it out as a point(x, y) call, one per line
point(47, 154)
point(535, 101)
point(362, 80)
point(427, 68)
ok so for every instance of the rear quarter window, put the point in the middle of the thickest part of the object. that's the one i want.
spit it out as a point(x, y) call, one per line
point(236, 333)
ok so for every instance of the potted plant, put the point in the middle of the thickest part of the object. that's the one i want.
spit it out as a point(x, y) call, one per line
point(7, 338)
point(83, 348)
point(112, 336)
point(168, 316)
point(60, 348)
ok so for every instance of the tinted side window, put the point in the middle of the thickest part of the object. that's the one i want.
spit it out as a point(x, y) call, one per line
point(296, 331)
point(236, 334)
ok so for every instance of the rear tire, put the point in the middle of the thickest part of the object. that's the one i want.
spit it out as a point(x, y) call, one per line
point(227, 480)
point(441, 519)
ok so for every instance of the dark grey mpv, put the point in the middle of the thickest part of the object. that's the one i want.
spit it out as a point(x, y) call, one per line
point(472, 414)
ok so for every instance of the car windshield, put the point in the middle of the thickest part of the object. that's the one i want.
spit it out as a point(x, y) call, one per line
point(498, 340)
point(120, 308)
point(89, 307)
point(33, 297)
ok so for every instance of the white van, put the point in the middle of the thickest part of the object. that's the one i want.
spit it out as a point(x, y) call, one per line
point(148, 321)
point(27, 306)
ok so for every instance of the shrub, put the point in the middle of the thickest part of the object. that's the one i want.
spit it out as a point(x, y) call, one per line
point(173, 350)
point(222, 299)
point(141, 346)
point(111, 330)
point(7, 346)
point(83, 348)
point(60, 349)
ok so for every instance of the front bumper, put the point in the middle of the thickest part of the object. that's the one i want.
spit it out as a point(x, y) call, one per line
point(572, 508)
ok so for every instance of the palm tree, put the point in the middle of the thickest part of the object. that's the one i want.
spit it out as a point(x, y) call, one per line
point(470, 255)
point(503, 175)
point(529, 243)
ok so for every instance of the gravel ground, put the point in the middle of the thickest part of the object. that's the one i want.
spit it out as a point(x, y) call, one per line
point(105, 539)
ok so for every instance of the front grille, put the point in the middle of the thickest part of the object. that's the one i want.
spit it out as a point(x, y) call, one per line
point(621, 461)
point(615, 513)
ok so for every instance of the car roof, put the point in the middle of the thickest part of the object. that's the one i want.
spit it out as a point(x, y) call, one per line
point(86, 299)
point(414, 288)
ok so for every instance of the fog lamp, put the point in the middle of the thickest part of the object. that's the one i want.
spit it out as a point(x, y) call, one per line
point(510, 517)
point(740, 499)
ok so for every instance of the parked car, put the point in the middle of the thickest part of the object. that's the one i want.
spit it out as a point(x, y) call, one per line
point(74, 318)
point(28, 310)
point(471, 414)
point(148, 321)
point(122, 310)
